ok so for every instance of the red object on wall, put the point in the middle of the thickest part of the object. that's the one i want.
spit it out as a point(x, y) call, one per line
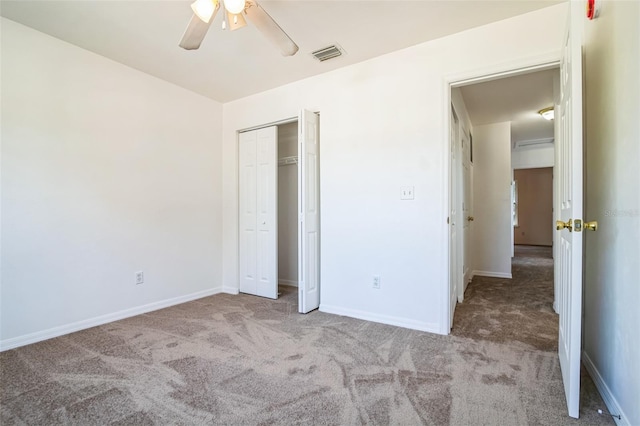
point(591, 9)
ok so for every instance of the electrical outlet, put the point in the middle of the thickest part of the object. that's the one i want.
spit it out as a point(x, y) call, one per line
point(376, 281)
point(139, 277)
point(406, 192)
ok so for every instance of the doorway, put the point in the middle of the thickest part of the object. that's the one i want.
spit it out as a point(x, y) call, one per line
point(533, 207)
point(568, 191)
point(279, 209)
point(495, 128)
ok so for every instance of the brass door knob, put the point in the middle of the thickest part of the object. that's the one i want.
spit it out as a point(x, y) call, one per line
point(470, 218)
point(560, 225)
point(591, 226)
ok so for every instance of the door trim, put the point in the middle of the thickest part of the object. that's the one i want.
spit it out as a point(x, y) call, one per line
point(506, 69)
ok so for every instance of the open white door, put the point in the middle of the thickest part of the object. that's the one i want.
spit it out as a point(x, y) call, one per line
point(569, 225)
point(309, 214)
point(466, 217)
point(258, 233)
point(454, 258)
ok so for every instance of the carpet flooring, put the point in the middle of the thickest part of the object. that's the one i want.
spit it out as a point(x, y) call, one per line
point(517, 310)
point(244, 360)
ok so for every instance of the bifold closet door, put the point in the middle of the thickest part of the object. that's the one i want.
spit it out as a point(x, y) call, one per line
point(258, 233)
point(309, 211)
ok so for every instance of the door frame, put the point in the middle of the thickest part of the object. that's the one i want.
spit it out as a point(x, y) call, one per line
point(506, 69)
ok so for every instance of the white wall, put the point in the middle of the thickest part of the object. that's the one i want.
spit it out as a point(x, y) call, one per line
point(492, 236)
point(105, 171)
point(533, 158)
point(288, 206)
point(382, 127)
point(612, 149)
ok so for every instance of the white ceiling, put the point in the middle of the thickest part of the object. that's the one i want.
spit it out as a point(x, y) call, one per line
point(144, 34)
point(517, 99)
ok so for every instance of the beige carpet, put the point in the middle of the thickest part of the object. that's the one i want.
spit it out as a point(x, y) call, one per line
point(511, 311)
point(238, 360)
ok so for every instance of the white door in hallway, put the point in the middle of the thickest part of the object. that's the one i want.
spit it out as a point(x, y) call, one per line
point(258, 239)
point(467, 214)
point(454, 213)
point(569, 187)
point(309, 213)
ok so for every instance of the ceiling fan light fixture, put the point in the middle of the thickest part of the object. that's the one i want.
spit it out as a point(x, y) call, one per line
point(235, 6)
point(270, 29)
point(547, 113)
point(204, 9)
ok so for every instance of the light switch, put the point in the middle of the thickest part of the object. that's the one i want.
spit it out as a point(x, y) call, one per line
point(406, 192)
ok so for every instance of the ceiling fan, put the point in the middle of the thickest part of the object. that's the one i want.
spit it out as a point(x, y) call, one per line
point(235, 10)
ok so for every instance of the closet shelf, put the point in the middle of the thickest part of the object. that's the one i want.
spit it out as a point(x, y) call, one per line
point(285, 161)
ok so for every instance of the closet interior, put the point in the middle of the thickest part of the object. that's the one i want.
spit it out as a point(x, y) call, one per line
point(288, 204)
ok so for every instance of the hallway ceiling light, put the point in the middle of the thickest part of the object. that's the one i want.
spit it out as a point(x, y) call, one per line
point(547, 113)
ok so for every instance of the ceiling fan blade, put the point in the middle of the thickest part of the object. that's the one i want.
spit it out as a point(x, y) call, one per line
point(235, 21)
point(195, 32)
point(270, 29)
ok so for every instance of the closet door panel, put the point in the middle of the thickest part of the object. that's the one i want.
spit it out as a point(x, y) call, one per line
point(248, 213)
point(308, 199)
point(258, 212)
point(267, 159)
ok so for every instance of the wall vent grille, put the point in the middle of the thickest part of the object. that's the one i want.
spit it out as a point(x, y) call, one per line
point(534, 143)
point(327, 53)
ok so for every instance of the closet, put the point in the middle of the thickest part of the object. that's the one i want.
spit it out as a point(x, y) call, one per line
point(278, 235)
point(288, 204)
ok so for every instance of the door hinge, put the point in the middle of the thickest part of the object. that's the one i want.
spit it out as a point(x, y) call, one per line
point(447, 220)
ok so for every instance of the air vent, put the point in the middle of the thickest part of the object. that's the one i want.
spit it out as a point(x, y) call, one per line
point(534, 143)
point(327, 53)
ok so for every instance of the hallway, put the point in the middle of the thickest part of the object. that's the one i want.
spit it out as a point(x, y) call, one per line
point(517, 311)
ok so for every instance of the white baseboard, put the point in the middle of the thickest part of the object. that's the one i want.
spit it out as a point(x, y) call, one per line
point(61, 330)
point(383, 319)
point(492, 274)
point(289, 283)
point(610, 401)
point(230, 290)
